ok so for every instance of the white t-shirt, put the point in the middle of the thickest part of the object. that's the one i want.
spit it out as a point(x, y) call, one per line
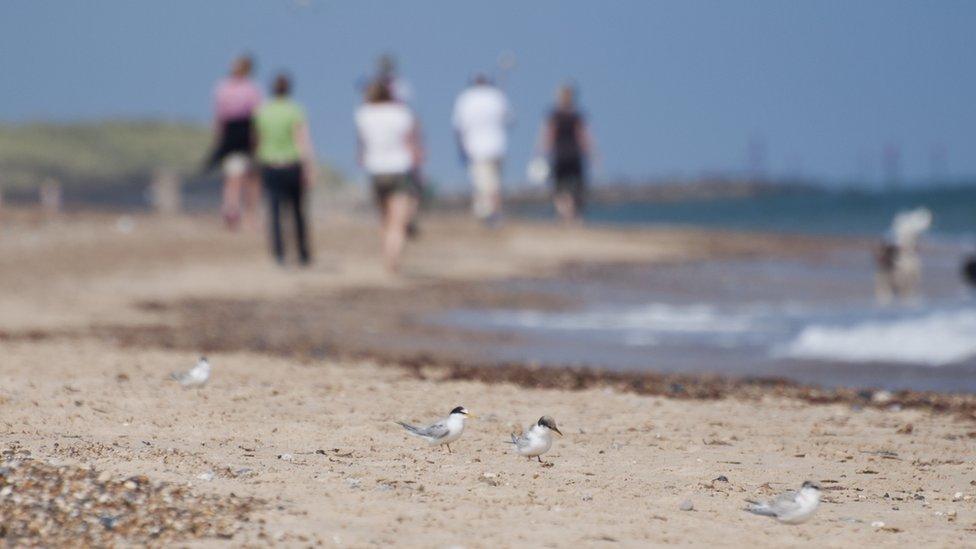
point(481, 115)
point(384, 129)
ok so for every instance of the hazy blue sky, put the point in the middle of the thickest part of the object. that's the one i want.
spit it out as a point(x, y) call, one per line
point(672, 88)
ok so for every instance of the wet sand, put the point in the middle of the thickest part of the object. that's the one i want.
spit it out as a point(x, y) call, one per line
point(93, 318)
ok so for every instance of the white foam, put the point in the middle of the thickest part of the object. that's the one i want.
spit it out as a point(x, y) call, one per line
point(935, 339)
point(654, 318)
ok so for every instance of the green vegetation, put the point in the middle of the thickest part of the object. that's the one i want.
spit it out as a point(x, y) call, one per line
point(98, 154)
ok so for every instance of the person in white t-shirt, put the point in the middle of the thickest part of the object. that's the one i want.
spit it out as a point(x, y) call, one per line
point(391, 153)
point(481, 119)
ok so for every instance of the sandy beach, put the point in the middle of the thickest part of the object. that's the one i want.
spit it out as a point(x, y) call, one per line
point(297, 422)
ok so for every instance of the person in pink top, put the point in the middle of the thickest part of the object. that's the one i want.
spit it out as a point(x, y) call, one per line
point(235, 100)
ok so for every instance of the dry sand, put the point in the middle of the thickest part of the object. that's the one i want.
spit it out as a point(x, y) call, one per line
point(348, 476)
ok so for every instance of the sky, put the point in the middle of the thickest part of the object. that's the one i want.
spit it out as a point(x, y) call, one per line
point(672, 89)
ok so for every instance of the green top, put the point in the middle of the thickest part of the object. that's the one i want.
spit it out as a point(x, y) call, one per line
point(276, 121)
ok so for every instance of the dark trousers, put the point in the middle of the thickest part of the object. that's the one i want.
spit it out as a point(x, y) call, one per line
point(283, 185)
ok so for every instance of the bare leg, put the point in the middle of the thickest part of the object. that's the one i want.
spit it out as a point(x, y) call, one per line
point(251, 200)
point(496, 203)
point(565, 206)
point(231, 208)
point(399, 211)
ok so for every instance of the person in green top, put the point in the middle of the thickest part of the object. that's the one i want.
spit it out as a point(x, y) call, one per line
point(287, 164)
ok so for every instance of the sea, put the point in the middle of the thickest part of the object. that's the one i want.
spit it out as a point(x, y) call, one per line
point(812, 319)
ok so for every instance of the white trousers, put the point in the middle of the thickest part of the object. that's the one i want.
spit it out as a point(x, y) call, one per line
point(486, 178)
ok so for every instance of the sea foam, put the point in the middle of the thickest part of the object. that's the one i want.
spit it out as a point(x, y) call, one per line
point(934, 339)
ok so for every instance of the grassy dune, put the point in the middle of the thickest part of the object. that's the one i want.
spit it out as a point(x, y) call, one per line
point(99, 154)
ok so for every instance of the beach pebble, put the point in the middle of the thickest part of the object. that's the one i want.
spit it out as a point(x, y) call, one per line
point(206, 476)
point(687, 505)
point(721, 478)
point(877, 524)
point(957, 496)
point(107, 521)
point(286, 457)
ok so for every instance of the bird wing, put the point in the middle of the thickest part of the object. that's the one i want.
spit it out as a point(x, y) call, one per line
point(521, 442)
point(761, 508)
point(434, 431)
point(780, 505)
point(784, 503)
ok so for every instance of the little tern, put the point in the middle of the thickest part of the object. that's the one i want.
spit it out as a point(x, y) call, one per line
point(790, 507)
point(536, 440)
point(196, 376)
point(440, 432)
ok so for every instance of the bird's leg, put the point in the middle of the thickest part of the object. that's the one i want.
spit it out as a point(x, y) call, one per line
point(539, 458)
point(449, 449)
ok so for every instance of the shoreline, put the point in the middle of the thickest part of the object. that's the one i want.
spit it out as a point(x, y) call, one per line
point(392, 311)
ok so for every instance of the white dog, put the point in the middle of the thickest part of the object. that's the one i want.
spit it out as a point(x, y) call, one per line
point(899, 268)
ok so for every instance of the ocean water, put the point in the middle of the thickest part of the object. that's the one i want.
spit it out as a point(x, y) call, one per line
point(793, 210)
point(810, 319)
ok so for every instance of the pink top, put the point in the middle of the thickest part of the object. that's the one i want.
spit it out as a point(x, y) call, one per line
point(235, 98)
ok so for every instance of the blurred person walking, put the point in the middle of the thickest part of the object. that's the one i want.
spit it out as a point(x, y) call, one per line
point(235, 100)
point(287, 164)
point(481, 119)
point(391, 152)
point(565, 139)
point(387, 74)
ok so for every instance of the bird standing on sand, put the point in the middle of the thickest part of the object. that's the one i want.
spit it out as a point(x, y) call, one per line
point(196, 376)
point(536, 440)
point(440, 432)
point(790, 507)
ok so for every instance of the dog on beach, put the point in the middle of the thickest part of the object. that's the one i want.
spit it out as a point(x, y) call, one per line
point(899, 268)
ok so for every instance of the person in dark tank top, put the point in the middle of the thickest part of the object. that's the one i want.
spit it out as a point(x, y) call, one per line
point(567, 142)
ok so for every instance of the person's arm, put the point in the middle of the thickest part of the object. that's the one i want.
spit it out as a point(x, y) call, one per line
point(303, 139)
point(462, 153)
point(256, 99)
point(217, 127)
point(458, 134)
point(588, 145)
point(360, 153)
point(415, 141)
point(584, 138)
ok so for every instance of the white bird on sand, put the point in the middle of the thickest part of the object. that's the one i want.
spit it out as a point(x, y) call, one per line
point(196, 376)
point(536, 440)
point(444, 431)
point(790, 507)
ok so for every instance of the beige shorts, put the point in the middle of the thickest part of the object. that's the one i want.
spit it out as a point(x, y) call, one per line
point(486, 177)
point(236, 165)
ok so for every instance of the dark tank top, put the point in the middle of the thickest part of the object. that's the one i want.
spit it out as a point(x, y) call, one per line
point(566, 145)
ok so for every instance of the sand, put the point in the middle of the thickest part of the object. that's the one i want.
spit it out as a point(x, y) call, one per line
point(312, 435)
